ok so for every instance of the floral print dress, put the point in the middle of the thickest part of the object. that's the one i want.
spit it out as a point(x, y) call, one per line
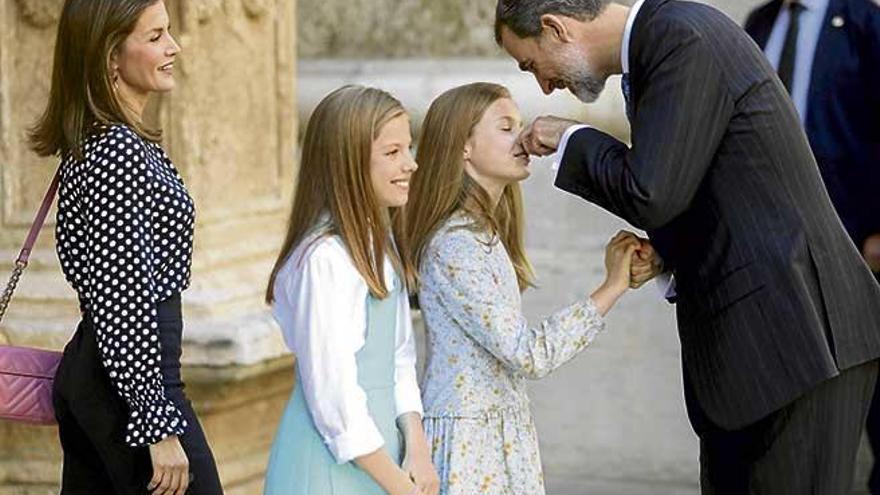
point(481, 350)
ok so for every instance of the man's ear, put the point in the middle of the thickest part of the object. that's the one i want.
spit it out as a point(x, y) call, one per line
point(556, 28)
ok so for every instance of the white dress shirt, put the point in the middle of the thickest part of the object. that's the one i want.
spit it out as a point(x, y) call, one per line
point(665, 282)
point(624, 63)
point(320, 304)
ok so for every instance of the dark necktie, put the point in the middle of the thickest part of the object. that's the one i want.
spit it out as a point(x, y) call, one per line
point(624, 85)
point(789, 49)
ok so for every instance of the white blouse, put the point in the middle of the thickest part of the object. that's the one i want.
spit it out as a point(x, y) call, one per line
point(320, 303)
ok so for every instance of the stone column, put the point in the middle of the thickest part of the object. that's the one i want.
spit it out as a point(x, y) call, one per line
point(230, 128)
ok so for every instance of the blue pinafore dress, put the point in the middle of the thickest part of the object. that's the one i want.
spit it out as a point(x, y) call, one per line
point(300, 463)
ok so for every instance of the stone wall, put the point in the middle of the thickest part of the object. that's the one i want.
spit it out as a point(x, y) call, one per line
point(414, 28)
point(395, 28)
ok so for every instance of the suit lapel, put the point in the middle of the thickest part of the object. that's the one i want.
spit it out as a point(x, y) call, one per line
point(636, 42)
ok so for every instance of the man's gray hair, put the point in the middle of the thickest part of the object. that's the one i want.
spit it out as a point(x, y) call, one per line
point(523, 17)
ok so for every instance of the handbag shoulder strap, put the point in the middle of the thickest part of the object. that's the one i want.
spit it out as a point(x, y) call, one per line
point(40, 219)
point(23, 256)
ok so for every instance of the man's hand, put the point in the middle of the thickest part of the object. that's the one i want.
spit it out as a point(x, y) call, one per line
point(542, 136)
point(646, 264)
point(871, 252)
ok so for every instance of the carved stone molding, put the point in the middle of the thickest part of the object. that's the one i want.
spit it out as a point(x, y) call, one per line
point(255, 8)
point(348, 29)
point(40, 13)
point(206, 9)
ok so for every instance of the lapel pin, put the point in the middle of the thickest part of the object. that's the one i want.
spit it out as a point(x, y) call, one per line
point(837, 21)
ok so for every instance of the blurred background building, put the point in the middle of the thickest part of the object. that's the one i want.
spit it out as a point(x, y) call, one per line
point(610, 422)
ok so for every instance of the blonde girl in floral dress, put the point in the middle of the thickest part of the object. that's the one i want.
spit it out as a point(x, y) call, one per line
point(463, 231)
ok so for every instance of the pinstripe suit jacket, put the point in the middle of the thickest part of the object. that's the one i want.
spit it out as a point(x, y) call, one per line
point(773, 297)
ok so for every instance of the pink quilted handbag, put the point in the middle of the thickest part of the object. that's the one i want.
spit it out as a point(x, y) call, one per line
point(26, 374)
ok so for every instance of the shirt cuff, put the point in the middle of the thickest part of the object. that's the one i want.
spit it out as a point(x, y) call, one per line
point(360, 438)
point(407, 397)
point(153, 423)
point(563, 142)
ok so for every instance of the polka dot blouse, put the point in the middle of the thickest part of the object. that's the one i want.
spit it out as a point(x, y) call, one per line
point(124, 238)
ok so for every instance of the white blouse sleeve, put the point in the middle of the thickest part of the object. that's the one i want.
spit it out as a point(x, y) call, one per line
point(321, 306)
point(407, 397)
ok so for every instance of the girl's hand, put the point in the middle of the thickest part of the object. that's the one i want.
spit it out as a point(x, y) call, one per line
point(417, 460)
point(421, 470)
point(619, 255)
point(387, 473)
point(618, 264)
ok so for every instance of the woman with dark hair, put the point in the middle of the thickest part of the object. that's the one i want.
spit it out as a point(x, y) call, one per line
point(124, 239)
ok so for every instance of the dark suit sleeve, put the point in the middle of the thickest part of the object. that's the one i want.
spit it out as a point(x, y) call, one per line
point(681, 115)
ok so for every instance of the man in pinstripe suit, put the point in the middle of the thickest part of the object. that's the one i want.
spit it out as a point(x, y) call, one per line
point(778, 315)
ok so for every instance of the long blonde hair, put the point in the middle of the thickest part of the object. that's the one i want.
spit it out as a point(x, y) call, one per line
point(442, 186)
point(334, 177)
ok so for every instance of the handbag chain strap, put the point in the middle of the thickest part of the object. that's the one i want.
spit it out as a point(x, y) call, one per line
point(22, 261)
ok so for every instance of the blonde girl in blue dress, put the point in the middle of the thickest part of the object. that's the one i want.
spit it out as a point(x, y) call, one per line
point(463, 230)
point(353, 424)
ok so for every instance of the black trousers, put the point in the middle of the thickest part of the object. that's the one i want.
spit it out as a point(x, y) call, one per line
point(92, 418)
point(807, 447)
